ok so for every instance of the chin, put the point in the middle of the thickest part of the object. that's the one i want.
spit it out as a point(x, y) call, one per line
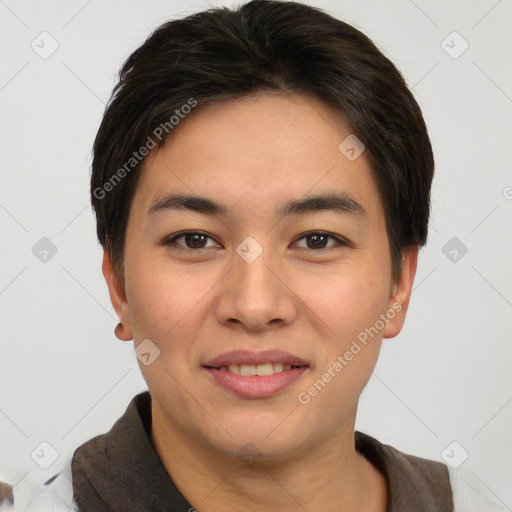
point(251, 451)
point(256, 442)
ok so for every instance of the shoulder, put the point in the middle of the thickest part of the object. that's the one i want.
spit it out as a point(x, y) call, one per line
point(469, 493)
point(55, 494)
point(427, 484)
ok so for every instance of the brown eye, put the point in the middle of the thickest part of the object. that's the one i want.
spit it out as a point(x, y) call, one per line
point(196, 240)
point(319, 240)
point(192, 240)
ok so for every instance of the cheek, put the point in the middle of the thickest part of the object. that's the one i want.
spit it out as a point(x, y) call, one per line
point(165, 307)
point(349, 352)
point(349, 306)
point(149, 305)
point(162, 300)
point(348, 301)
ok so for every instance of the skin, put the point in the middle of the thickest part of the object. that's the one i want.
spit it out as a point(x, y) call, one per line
point(253, 154)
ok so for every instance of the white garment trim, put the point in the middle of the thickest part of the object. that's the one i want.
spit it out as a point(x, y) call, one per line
point(31, 496)
point(471, 495)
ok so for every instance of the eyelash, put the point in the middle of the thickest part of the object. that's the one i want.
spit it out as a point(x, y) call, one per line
point(172, 240)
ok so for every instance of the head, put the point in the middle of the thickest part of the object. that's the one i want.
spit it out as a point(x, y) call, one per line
point(308, 168)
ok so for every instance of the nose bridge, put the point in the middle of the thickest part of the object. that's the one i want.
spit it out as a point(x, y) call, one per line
point(254, 294)
point(252, 268)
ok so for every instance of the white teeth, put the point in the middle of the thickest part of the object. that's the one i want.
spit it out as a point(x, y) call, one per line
point(250, 370)
point(233, 368)
point(247, 370)
point(264, 369)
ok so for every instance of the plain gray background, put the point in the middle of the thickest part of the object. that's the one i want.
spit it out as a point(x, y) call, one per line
point(64, 377)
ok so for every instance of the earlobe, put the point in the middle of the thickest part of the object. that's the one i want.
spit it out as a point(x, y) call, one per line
point(399, 300)
point(123, 330)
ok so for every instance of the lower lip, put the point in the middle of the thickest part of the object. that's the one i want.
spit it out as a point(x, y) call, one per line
point(256, 386)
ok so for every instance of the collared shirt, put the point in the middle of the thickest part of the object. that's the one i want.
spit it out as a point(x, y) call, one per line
point(120, 471)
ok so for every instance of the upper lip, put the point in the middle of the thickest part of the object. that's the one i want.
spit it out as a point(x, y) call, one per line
point(255, 358)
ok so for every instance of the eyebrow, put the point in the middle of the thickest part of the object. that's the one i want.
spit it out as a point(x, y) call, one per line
point(338, 202)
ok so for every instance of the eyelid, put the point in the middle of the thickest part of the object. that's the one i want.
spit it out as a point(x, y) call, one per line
point(172, 239)
point(339, 240)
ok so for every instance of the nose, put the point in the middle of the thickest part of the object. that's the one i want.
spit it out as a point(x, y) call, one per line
point(256, 295)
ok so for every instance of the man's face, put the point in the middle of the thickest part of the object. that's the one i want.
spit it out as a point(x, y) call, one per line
point(250, 279)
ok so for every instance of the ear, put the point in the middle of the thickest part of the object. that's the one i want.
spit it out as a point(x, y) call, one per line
point(401, 293)
point(117, 297)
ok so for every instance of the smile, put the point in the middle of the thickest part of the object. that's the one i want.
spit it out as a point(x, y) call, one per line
point(262, 370)
point(255, 374)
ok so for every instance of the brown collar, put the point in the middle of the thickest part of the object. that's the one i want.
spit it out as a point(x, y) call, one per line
point(120, 471)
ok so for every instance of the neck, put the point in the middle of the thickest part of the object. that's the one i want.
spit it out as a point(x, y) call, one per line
point(330, 476)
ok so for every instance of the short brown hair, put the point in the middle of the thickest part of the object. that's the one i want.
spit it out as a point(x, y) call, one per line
point(264, 45)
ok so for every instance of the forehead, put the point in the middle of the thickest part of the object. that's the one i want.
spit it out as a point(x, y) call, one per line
point(251, 152)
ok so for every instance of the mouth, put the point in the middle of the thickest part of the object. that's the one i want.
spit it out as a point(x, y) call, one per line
point(237, 359)
point(256, 375)
point(252, 370)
